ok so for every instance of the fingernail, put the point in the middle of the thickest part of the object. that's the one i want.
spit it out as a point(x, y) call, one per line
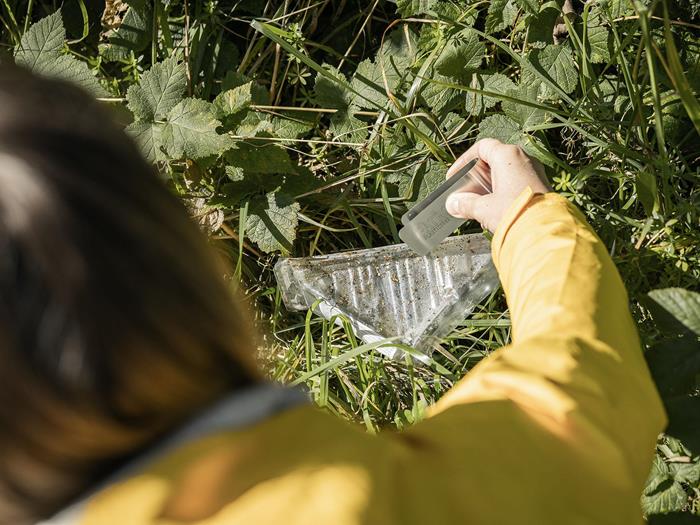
point(452, 205)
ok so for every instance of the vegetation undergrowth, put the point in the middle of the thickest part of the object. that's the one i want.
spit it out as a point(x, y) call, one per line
point(306, 127)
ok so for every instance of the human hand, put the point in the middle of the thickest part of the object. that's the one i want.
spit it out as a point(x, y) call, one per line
point(510, 171)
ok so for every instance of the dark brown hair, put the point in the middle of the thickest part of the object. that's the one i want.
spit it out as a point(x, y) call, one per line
point(115, 321)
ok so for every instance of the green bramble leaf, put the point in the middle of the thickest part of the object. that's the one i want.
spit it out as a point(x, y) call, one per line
point(599, 38)
point(44, 39)
point(556, 63)
point(234, 100)
point(530, 6)
point(541, 26)
point(270, 226)
point(264, 158)
point(41, 51)
point(662, 493)
point(427, 178)
point(415, 7)
point(526, 116)
point(160, 90)
point(477, 103)
point(148, 136)
point(501, 14)
point(332, 95)
point(682, 304)
point(462, 54)
point(508, 131)
point(190, 131)
point(133, 34)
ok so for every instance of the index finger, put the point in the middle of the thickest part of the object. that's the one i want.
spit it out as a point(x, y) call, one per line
point(482, 149)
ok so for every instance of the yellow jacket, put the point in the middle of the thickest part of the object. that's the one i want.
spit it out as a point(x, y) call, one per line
point(557, 428)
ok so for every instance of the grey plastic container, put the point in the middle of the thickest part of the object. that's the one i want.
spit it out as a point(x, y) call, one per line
point(392, 291)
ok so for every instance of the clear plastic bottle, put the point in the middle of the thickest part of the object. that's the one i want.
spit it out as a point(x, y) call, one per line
point(393, 291)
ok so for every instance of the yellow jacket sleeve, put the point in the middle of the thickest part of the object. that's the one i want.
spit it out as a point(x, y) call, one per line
point(570, 403)
point(556, 429)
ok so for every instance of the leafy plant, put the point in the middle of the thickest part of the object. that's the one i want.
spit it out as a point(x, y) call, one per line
point(310, 127)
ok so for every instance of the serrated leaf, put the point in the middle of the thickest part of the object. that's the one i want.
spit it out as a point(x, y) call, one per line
point(426, 179)
point(160, 90)
point(439, 99)
point(333, 95)
point(541, 25)
point(368, 82)
point(685, 472)
point(662, 493)
point(190, 131)
point(501, 14)
point(599, 38)
point(43, 40)
point(271, 227)
point(462, 54)
point(65, 67)
point(347, 128)
point(477, 103)
point(291, 126)
point(507, 131)
point(234, 100)
point(682, 304)
point(415, 7)
point(531, 6)
point(262, 158)
point(556, 63)
point(148, 136)
point(133, 34)
point(40, 51)
point(525, 115)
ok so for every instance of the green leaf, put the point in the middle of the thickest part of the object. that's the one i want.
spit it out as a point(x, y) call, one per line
point(599, 38)
point(662, 493)
point(439, 99)
point(65, 67)
point(160, 90)
point(40, 51)
point(647, 191)
point(44, 39)
point(347, 128)
point(501, 14)
point(262, 158)
point(477, 103)
point(190, 131)
point(134, 33)
point(427, 178)
point(233, 101)
point(331, 94)
point(462, 54)
point(556, 63)
point(291, 126)
point(531, 6)
point(685, 472)
point(682, 304)
point(149, 137)
point(271, 227)
point(525, 115)
point(415, 7)
point(508, 131)
point(541, 25)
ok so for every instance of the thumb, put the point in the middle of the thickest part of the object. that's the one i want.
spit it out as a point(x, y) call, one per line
point(463, 205)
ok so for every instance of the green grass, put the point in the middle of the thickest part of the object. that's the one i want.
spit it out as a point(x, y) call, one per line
point(616, 125)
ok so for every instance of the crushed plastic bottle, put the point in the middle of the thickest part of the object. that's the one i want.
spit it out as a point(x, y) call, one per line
point(392, 291)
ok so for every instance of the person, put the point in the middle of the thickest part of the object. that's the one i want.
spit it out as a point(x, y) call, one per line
point(129, 394)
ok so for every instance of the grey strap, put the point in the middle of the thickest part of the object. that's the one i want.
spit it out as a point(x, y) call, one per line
point(240, 410)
